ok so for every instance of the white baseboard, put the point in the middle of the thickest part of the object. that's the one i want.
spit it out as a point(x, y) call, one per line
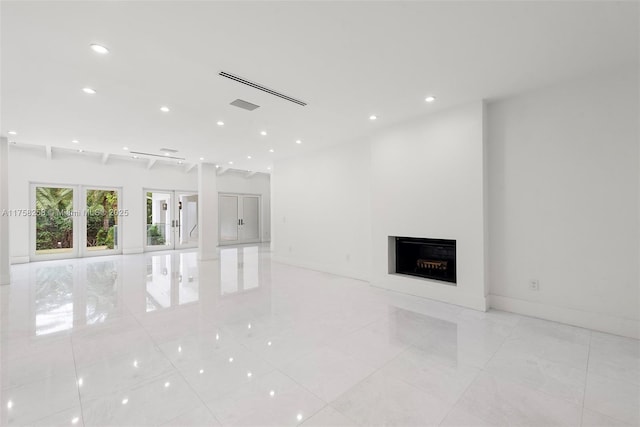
point(420, 288)
point(584, 319)
point(129, 251)
point(321, 267)
point(19, 259)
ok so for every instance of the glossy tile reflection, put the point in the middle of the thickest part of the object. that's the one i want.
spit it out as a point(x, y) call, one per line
point(163, 339)
point(53, 304)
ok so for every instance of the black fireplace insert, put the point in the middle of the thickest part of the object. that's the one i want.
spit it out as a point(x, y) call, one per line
point(429, 258)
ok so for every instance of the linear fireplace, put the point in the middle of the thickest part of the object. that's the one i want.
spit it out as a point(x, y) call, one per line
point(428, 258)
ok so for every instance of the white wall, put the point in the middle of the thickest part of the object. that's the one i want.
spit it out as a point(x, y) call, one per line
point(556, 199)
point(428, 181)
point(335, 209)
point(29, 165)
point(322, 210)
point(259, 183)
point(564, 199)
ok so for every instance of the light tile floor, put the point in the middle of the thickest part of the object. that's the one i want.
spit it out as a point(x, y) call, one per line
point(161, 339)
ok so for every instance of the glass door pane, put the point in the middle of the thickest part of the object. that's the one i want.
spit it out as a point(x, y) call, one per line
point(55, 221)
point(187, 221)
point(102, 220)
point(159, 219)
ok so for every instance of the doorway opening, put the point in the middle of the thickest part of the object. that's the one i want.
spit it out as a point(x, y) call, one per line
point(72, 221)
point(171, 219)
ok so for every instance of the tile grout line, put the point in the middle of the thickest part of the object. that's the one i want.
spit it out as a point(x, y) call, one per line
point(480, 370)
point(586, 378)
point(178, 372)
point(75, 368)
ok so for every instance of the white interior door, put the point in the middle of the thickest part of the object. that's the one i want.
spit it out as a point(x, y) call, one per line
point(239, 218)
point(250, 219)
point(229, 218)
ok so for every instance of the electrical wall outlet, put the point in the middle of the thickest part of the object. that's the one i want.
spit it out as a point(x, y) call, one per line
point(534, 285)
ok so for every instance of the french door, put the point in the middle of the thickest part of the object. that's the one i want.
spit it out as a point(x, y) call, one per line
point(171, 219)
point(69, 221)
point(239, 218)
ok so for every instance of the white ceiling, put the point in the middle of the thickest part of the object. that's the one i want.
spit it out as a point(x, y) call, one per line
point(346, 59)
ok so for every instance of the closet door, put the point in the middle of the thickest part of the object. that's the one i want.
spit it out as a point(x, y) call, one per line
point(239, 218)
point(228, 211)
point(250, 219)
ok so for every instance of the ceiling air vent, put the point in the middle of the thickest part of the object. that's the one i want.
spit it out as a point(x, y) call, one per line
point(260, 87)
point(244, 105)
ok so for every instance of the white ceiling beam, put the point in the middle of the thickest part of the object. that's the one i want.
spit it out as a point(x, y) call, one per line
point(105, 158)
point(48, 151)
point(250, 174)
point(222, 170)
point(151, 163)
point(190, 167)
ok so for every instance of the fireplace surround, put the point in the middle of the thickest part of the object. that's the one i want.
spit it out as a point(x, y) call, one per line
point(433, 259)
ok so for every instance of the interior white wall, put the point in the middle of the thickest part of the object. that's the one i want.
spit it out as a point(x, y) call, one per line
point(564, 197)
point(322, 210)
point(244, 183)
point(29, 165)
point(428, 181)
point(207, 212)
point(4, 206)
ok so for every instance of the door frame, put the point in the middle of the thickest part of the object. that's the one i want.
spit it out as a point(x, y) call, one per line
point(240, 196)
point(83, 223)
point(79, 240)
point(174, 216)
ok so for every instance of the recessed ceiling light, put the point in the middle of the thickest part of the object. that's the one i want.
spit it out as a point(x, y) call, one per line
point(99, 49)
point(430, 98)
point(180, 162)
point(80, 150)
point(298, 141)
point(135, 157)
point(166, 154)
point(75, 420)
point(249, 157)
point(164, 109)
point(12, 132)
point(373, 117)
point(230, 163)
point(125, 148)
point(89, 90)
point(75, 141)
point(271, 150)
point(201, 158)
point(269, 168)
point(220, 123)
point(263, 133)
